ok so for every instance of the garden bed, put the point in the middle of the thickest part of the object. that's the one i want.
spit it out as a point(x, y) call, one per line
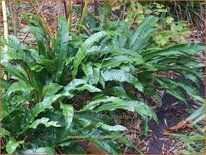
point(115, 69)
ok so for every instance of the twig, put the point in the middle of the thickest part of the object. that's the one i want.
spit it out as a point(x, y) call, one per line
point(13, 15)
point(38, 12)
point(6, 33)
point(84, 29)
point(15, 18)
point(65, 9)
point(70, 14)
point(43, 20)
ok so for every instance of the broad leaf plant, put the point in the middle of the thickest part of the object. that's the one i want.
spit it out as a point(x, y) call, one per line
point(68, 88)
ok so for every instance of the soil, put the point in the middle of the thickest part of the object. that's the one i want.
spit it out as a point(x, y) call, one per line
point(171, 113)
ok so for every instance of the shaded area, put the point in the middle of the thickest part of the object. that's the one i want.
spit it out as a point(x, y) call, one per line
point(171, 113)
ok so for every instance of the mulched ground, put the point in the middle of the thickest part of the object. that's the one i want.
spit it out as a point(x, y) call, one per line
point(169, 114)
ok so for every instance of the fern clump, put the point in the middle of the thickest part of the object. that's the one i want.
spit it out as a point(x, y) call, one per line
point(65, 89)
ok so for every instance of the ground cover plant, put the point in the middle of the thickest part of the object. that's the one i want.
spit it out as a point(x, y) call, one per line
point(68, 88)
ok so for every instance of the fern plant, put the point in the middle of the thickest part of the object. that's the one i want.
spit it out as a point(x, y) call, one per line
point(66, 89)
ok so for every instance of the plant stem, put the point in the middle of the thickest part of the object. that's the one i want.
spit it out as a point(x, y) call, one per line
point(6, 33)
point(107, 11)
point(15, 18)
point(11, 13)
point(96, 12)
point(13, 10)
point(43, 20)
point(83, 14)
point(70, 15)
point(65, 9)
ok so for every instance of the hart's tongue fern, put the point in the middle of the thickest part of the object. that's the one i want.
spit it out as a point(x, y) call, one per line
point(66, 84)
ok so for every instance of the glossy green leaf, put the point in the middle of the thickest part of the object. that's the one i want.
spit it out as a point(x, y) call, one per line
point(142, 33)
point(12, 145)
point(104, 99)
point(33, 29)
point(173, 90)
point(130, 105)
point(51, 89)
point(96, 37)
point(44, 121)
point(41, 106)
point(82, 52)
point(4, 133)
point(61, 49)
point(19, 86)
point(88, 87)
point(121, 76)
point(81, 85)
point(14, 43)
point(48, 64)
point(116, 61)
point(113, 128)
point(68, 112)
point(174, 84)
point(181, 49)
point(39, 33)
point(92, 73)
point(4, 84)
point(40, 150)
point(15, 71)
point(117, 91)
point(199, 112)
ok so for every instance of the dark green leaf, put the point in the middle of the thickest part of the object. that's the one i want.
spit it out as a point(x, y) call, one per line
point(121, 76)
point(40, 150)
point(12, 145)
point(68, 113)
point(61, 49)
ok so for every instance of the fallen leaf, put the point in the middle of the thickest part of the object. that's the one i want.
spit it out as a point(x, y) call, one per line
point(179, 126)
